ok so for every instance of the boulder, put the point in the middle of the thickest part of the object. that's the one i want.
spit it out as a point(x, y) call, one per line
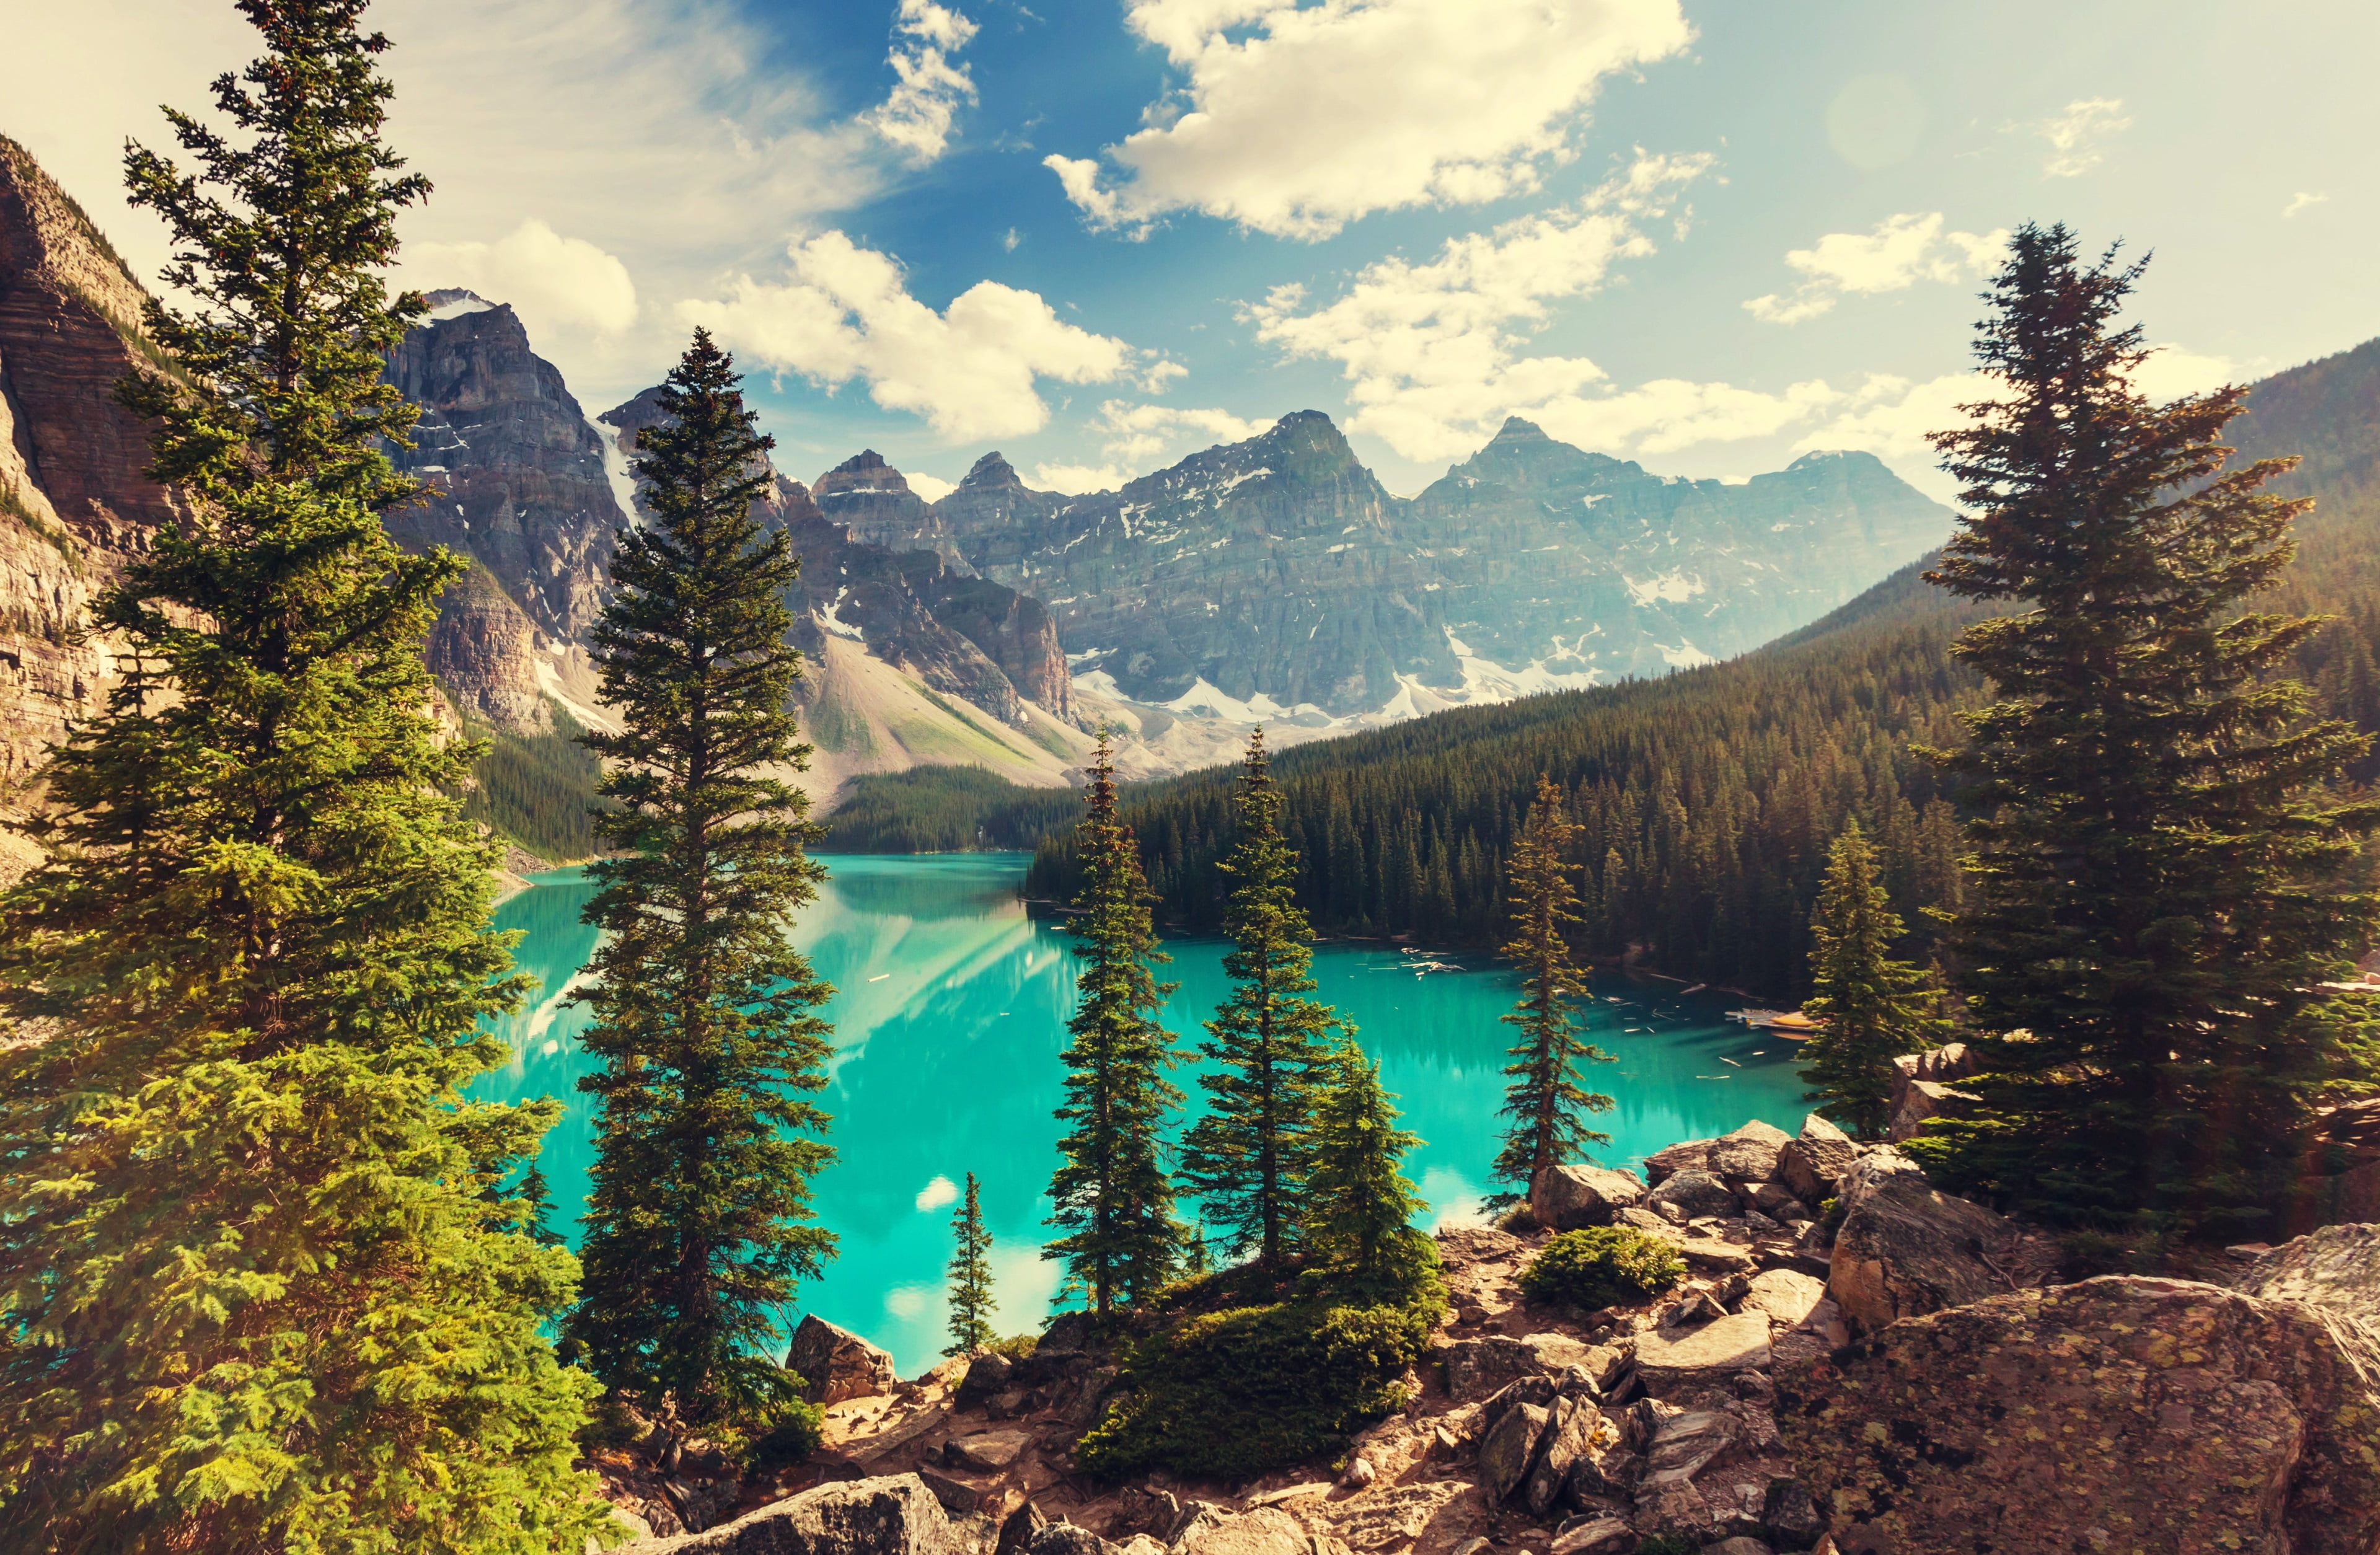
point(1925, 1099)
point(992, 1450)
point(1066, 1539)
point(1668, 1357)
point(987, 1376)
point(1509, 1448)
point(1570, 1430)
point(1266, 1531)
point(2337, 1267)
point(1748, 1155)
point(1779, 1202)
point(1478, 1367)
point(1905, 1249)
point(891, 1515)
point(835, 1363)
point(1693, 1192)
point(2120, 1413)
point(1789, 1514)
point(1783, 1297)
point(1021, 1527)
point(1685, 1445)
point(1595, 1535)
point(1569, 1197)
point(1921, 1088)
point(1688, 1155)
point(1812, 1163)
point(960, 1497)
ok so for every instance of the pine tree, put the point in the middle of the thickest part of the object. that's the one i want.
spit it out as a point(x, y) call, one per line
point(1546, 1100)
point(1359, 1204)
point(263, 1284)
point(1248, 1157)
point(1874, 1008)
point(699, 1209)
point(2156, 887)
point(971, 1299)
point(1114, 1201)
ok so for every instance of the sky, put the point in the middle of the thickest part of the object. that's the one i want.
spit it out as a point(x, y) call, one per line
point(1098, 235)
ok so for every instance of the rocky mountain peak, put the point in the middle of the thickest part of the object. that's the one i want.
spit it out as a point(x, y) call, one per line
point(1522, 456)
point(874, 499)
point(1309, 448)
point(991, 473)
point(863, 474)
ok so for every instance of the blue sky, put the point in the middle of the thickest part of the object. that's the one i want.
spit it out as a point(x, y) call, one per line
point(1098, 234)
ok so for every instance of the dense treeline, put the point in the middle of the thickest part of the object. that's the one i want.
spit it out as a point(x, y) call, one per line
point(945, 810)
point(538, 790)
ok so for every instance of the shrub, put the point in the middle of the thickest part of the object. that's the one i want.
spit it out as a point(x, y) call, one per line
point(1603, 1266)
point(1016, 1346)
point(1231, 1394)
point(793, 1436)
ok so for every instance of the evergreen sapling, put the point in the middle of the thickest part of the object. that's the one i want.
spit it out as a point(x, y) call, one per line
point(1359, 1204)
point(970, 1272)
point(1874, 1008)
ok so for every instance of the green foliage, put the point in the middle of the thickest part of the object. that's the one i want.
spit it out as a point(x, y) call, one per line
point(944, 809)
point(1359, 1205)
point(1874, 1008)
point(1602, 1266)
point(1114, 1203)
point(1231, 1394)
point(794, 1429)
point(1016, 1346)
point(1247, 1158)
point(1668, 1544)
point(2161, 878)
point(699, 1210)
point(971, 1299)
point(1545, 1100)
point(536, 790)
point(262, 1283)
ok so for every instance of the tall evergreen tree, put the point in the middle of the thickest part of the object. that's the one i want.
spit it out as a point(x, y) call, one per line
point(1359, 1205)
point(1546, 1100)
point(2156, 888)
point(971, 1299)
point(262, 1284)
point(1113, 1201)
point(699, 1210)
point(1874, 1008)
point(1248, 1157)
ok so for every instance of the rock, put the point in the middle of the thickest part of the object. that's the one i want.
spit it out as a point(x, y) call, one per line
point(632, 1528)
point(1556, 1353)
point(960, 1497)
point(1812, 1163)
point(1784, 1296)
point(1694, 1192)
point(1018, 1531)
point(835, 1363)
point(1688, 1155)
point(2337, 1267)
point(1140, 1544)
point(1742, 1544)
point(1789, 1514)
point(1595, 1535)
point(1666, 1357)
point(1904, 1248)
point(1605, 1471)
point(1570, 1197)
point(1509, 1448)
point(986, 1376)
point(1266, 1531)
point(891, 1515)
point(1571, 1428)
point(988, 1450)
point(1923, 1099)
point(1717, 1258)
point(1066, 1539)
point(1748, 1155)
point(1933, 1070)
point(1779, 1203)
point(1686, 1445)
point(1651, 1223)
point(1459, 1247)
point(2162, 1414)
point(1478, 1367)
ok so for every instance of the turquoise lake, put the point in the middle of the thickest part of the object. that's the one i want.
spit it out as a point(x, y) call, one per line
point(950, 1012)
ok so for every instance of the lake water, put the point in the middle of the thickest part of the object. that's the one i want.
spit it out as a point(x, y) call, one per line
point(950, 1012)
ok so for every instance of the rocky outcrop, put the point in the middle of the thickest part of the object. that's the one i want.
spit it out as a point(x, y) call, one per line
point(2116, 1414)
point(1903, 1249)
point(873, 500)
point(483, 649)
point(891, 1515)
point(2337, 1268)
point(1924, 1085)
point(1815, 1161)
point(835, 1363)
point(74, 503)
point(1567, 1198)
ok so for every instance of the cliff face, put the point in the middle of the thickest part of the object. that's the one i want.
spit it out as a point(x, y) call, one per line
point(483, 649)
point(73, 506)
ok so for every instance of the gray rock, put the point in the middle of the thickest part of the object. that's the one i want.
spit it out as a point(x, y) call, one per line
point(1018, 1532)
point(1509, 1448)
point(1694, 1193)
point(1687, 1155)
point(1604, 1472)
point(1742, 1544)
point(1789, 1515)
point(1066, 1539)
point(988, 1450)
point(835, 1363)
point(960, 1497)
point(986, 1376)
point(1668, 1357)
point(1922, 1086)
point(1784, 1296)
point(1266, 1531)
point(1686, 1445)
point(1569, 1431)
point(1748, 1155)
point(1812, 1164)
point(1779, 1202)
point(2337, 1267)
point(1905, 1249)
point(894, 1514)
point(1595, 1535)
point(1569, 1197)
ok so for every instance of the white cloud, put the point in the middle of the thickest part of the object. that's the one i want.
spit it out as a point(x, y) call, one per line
point(1902, 251)
point(1135, 434)
point(555, 284)
point(1075, 479)
point(933, 488)
point(1297, 120)
point(1668, 414)
point(2302, 201)
point(1889, 416)
point(847, 313)
point(917, 116)
point(2174, 370)
point(937, 1193)
point(1434, 351)
point(2073, 135)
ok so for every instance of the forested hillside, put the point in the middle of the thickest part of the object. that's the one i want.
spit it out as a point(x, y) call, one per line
point(1708, 797)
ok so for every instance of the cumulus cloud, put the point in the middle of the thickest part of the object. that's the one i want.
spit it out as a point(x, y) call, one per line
point(554, 283)
point(2302, 201)
point(933, 488)
point(845, 313)
point(1138, 438)
point(2174, 370)
point(1297, 120)
point(1435, 353)
point(917, 116)
point(937, 1193)
point(1075, 479)
point(1901, 252)
point(2074, 135)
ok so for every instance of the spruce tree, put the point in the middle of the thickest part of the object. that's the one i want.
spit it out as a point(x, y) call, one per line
point(263, 1284)
point(1874, 1008)
point(1248, 1157)
point(971, 1299)
point(1359, 1205)
point(2159, 881)
point(1546, 1100)
point(1113, 1201)
point(699, 1210)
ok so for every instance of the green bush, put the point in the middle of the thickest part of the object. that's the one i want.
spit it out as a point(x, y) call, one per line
point(794, 1435)
point(1603, 1266)
point(1016, 1346)
point(1233, 1393)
